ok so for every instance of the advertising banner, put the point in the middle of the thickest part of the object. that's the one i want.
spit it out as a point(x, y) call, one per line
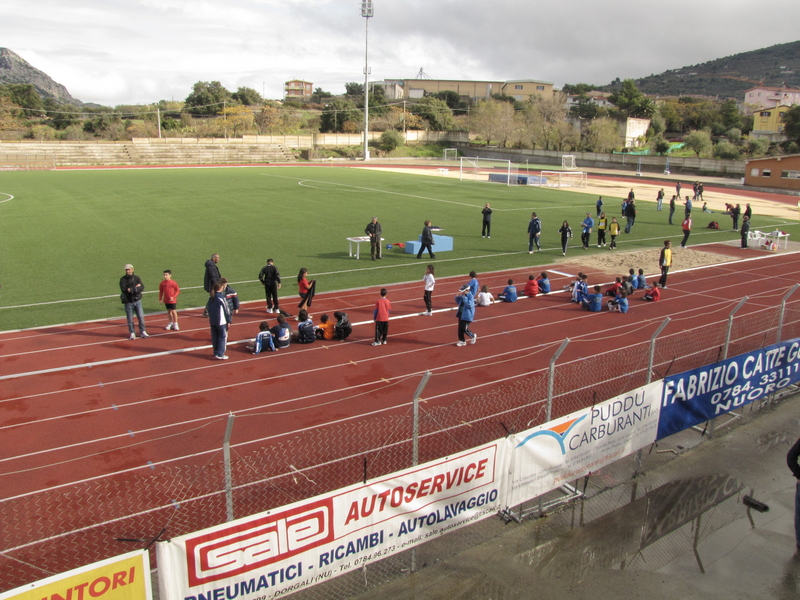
point(695, 396)
point(278, 552)
point(125, 577)
point(546, 457)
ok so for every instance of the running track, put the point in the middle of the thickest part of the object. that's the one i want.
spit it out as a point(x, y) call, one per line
point(81, 402)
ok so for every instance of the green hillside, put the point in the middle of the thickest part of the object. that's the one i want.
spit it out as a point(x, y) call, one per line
point(726, 77)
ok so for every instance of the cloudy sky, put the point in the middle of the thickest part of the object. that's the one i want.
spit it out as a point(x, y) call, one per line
point(137, 51)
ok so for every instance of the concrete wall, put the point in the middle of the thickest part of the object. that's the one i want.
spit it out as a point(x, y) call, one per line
point(593, 160)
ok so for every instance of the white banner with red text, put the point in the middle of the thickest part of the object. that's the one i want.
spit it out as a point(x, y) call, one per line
point(279, 552)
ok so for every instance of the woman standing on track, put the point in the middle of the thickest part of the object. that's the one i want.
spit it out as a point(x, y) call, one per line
point(566, 234)
point(305, 288)
point(429, 281)
point(466, 314)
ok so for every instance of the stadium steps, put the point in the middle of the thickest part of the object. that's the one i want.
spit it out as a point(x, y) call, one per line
point(96, 154)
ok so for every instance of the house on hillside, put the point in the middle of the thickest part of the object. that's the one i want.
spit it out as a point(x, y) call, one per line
point(768, 123)
point(759, 98)
point(774, 171)
point(297, 89)
point(599, 99)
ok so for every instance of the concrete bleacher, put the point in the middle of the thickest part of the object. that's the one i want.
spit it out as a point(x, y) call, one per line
point(169, 151)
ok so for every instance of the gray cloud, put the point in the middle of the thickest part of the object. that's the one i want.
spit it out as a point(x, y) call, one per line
point(115, 51)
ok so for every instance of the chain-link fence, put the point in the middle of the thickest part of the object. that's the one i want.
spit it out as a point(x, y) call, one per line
point(50, 532)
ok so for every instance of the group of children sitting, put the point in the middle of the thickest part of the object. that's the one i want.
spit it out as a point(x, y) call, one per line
point(534, 287)
point(280, 336)
point(619, 291)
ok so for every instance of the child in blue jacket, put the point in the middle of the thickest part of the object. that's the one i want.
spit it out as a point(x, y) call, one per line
point(509, 294)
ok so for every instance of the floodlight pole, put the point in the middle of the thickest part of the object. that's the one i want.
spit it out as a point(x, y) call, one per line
point(366, 12)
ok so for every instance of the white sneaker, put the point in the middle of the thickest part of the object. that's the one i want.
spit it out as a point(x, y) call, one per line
point(132, 336)
point(175, 327)
point(269, 310)
point(429, 314)
point(376, 343)
point(168, 327)
point(530, 251)
point(384, 342)
point(461, 343)
point(474, 339)
point(223, 357)
point(488, 237)
point(144, 334)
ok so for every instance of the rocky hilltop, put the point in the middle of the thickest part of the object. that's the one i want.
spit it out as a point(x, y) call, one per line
point(15, 69)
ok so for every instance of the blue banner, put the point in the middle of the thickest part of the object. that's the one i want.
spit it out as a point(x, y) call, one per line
point(693, 397)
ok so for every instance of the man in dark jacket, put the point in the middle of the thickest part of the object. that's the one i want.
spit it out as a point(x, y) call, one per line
point(791, 459)
point(427, 241)
point(219, 318)
point(534, 230)
point(270, 278)
point(486, 229)
point(374, 231)
point(630, 215)
point(211, 276)
point(131, 288)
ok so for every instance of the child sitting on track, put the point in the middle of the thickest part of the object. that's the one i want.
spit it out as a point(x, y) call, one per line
point(641, 281)
point(305, 328)
point(581, 288)
point(615, 287)
point(544, 283)
point(620, 303)
point(263, 341)
point(509, 294)
point(485, 297)
point(325, 329)
point(593, 302)
point(532, 287)
point(652, 294)
point(342, 329)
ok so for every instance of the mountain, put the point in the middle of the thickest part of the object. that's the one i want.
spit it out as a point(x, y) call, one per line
point(15, 69)
point(727, 77)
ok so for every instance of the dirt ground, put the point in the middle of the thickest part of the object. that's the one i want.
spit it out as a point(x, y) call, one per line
point(619, 263)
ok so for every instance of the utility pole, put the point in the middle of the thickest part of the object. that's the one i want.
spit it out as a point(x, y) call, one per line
point(367, 13)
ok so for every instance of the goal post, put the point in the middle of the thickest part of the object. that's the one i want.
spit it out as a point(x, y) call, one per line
point(568, 161)
point(450, 153)
point(559, 179)
point(488, 169)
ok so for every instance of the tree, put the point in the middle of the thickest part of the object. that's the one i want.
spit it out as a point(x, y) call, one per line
point(337, 115)
point(8, 113)
point(698, 142)
point(319, 95)
point(493, 120)
point(584, 108)
point(437, 113)
point(354, 89)
point(659, 145)
point(544, 123)
point(207, 98)
point(391, 139)
point(602, 135)
point(730, 115)
point(22, 94)
point(238, 120)
point(791, 123)
point(248, 97)
point(726, 150)
point(627, 98)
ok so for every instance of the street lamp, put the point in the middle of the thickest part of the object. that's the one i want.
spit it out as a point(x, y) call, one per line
point(366, 12)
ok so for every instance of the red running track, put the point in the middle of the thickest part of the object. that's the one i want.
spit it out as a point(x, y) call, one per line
point(80, 402)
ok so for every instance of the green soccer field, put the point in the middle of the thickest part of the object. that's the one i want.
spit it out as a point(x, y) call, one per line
point(66, 235)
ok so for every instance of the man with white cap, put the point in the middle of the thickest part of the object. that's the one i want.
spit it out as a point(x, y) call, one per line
point(132, 287)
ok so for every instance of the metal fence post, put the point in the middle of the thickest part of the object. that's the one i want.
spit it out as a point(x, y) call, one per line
point(653, 349)
point(226, 454)
point(730, 327)
point(783, 310)
point(551, 377)
point(415, 445)
point(649, 379)
point(712, 425)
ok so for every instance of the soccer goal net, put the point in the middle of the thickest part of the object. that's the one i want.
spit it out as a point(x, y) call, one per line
point(568, 161)
point(450, 153)
point(488, 169)
point(561, 179)
point(27, 162)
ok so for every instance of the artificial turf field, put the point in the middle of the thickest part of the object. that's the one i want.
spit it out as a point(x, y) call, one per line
point(65, 235)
